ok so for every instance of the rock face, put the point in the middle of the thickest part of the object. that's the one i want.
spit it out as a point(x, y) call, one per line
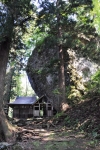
point(43, 69)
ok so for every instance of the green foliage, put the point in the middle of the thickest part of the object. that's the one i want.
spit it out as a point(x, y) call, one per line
point(76, 87)
point(73, 95)
point(40, 71)
point(93, 86)
point(56, 91)
point(93, 143)
point(58, 115)
point(77, 32)
point(96, 76)
point(71, 122)
point(14, 16)
point(36, 144)
point(20, 86)
point(53, 62)
point(76, 22)
point(34, 38)
point(17, 147)
point(96, 15)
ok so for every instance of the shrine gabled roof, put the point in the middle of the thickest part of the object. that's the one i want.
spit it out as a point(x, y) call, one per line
point(20, 100)
point(24, 101)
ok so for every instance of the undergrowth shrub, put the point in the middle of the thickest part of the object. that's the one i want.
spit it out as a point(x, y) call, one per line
point(93, 86)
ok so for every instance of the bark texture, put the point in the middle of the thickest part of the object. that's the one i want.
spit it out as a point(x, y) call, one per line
point(4, 53)
point(7, 90)
point(62, 93)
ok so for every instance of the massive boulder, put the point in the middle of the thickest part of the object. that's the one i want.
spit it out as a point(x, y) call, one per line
point(43, 70)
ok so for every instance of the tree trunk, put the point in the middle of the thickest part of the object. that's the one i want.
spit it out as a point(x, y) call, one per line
point(62, 93)
point(7, 90)
point(4, 53)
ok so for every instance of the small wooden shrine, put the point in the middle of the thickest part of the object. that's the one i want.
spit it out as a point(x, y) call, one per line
point(27, 107)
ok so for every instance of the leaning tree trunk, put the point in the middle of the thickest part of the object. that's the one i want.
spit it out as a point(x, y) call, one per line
point(4, 53)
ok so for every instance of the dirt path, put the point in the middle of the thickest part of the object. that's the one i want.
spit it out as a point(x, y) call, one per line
point(57, 139)
point(37, 135)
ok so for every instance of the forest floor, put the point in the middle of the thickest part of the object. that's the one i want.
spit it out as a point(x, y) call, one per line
point(76, 129)
point(36, 136)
